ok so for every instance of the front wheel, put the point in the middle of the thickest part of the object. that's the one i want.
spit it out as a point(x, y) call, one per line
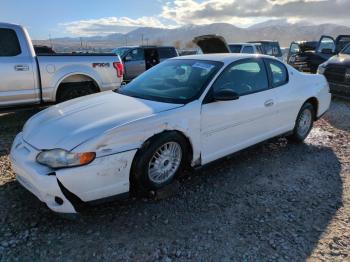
point(159, 162)
point(304, 123)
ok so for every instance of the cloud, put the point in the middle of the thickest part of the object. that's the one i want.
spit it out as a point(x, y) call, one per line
point(109, 25)
point(249, 11)
point(240, 13)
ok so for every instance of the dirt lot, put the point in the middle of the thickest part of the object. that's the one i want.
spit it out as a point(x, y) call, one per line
point(274, 202)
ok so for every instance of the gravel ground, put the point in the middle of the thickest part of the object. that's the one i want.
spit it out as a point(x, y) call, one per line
point(275, 202)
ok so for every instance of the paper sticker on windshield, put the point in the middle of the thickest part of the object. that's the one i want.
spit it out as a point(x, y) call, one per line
point(203, 66)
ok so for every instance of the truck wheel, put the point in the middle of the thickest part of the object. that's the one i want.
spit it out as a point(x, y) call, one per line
point(70, 91)
point(159, 162)
point(303, 124)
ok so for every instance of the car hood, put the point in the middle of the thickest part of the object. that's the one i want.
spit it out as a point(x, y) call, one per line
point(71, 123)
point(341, 59)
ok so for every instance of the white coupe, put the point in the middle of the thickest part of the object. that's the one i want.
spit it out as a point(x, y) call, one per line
point(186, 111)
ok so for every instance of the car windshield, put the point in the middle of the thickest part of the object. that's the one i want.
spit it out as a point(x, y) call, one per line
point(346, 50)
point(235, 48)
point(176, 81)
point(121, 51)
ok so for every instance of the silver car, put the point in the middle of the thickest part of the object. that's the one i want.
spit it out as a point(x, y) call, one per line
point(138, 59)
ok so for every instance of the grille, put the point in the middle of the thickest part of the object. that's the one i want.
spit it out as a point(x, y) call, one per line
point(336, 74)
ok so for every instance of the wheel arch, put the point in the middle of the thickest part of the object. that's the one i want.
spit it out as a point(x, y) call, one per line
point(75, 78)
point(314, 102)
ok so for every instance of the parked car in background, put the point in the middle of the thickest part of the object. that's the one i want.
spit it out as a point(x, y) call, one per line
point(337, 72)
point(246, 48)
point(306, 56)
point(186, 111)
point(30, 78)
point(43, 49)
point(211, 44)
point(271, 48)
point(138, 59)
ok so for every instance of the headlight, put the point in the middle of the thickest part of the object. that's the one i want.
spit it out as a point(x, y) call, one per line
point(58, 158)
point(321, 69)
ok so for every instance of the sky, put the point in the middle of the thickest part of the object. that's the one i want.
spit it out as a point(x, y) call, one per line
point(101, 17)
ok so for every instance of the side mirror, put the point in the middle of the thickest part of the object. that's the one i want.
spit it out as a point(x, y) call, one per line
point(327, 51)
point(225, 95)
point(127, 58)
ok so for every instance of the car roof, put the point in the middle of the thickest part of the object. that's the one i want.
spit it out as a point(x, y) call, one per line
point(224, 57)
point(146, 46)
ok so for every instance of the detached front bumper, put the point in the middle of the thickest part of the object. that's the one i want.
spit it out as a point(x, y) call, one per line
point(63, 189)
point(36, 178)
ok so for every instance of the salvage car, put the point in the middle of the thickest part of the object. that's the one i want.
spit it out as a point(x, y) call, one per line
point(187, 111)
point(337, 72)
point(306, 56)
point(32, 75)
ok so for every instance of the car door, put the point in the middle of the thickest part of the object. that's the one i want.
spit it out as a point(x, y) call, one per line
point(228, 126)
point(325, 49)
point(286, 105)
point(134, 63)
point(17, 84)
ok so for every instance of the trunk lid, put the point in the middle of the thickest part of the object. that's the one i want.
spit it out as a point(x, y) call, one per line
point(212, 44)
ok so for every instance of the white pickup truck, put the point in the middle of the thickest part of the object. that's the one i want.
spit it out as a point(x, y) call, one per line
point(30, 78)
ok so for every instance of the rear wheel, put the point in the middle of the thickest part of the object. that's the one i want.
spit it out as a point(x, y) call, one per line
point(159, 162)
point(70, 91)
point(304, 123)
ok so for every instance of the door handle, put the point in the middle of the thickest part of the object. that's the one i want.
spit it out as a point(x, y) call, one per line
point(22, 68)
point(269, 103)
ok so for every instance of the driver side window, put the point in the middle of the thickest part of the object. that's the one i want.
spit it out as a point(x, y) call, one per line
point(136, 54)
point(243, 77)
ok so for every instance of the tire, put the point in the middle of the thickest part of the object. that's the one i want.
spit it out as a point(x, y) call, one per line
point(73, 90)
point(145, 168)
point(304, 123)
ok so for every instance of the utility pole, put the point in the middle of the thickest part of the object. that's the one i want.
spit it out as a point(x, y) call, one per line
point(126, 40)
point(50, 41)
point(142, 39)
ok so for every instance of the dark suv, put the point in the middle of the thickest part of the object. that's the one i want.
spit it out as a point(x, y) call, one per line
point(337, 72)
point(307, 56)
point(138, 59)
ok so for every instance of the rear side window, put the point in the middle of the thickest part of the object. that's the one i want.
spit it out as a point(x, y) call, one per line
point(244, 77)
point(9, 44)
point(279, 73)
point(248, 50)
point(166, 52)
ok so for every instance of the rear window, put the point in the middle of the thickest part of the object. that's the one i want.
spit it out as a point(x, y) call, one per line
point(235, 48)
point(272, 49)
point(248, 50)
point(167, 52)
point(9, 44)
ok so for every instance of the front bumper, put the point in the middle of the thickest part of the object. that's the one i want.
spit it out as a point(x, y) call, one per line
point(36, 178)
point(104, 178)
point(340, 89)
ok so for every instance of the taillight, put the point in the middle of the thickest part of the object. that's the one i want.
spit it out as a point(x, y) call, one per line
point(120, 68)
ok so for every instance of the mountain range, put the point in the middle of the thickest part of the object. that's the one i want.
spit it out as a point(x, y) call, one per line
point(181, 37)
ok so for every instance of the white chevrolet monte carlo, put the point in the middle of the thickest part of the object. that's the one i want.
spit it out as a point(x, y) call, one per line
point(187, 111)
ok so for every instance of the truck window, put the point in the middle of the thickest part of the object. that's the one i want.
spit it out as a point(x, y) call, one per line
point(326, 43)
point(294, 49)
point(166, 52)
point(9, 44)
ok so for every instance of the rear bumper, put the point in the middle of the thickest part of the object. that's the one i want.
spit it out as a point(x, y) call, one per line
point(36, 178)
